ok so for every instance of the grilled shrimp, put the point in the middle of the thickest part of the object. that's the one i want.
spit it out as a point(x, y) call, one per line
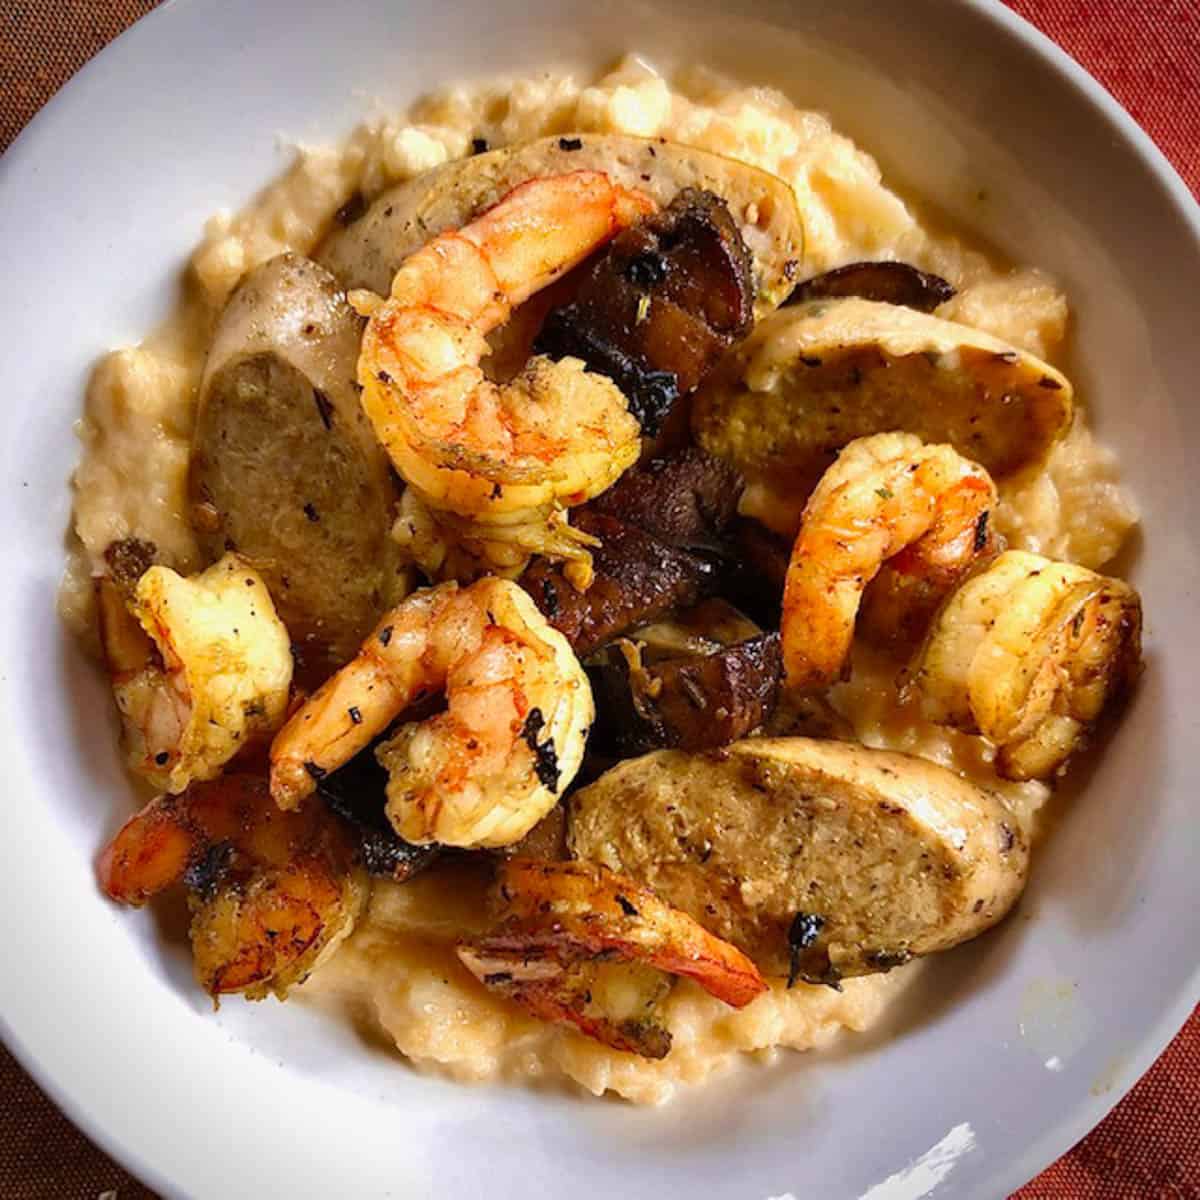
point(486, 770)
point(565, 927)
point(271, 893)
point(1028, 652)
point(889, 496)
point(500, 454)
point(200, 667)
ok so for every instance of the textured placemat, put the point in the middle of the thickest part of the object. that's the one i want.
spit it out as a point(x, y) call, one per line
point(1147, 53)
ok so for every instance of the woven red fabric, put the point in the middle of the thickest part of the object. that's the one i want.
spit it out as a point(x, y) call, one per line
point(1147, 53)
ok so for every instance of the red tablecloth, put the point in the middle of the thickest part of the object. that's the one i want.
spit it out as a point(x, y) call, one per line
point(1147, 53)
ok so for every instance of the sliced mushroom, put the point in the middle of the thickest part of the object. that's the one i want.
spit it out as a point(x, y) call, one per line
point(888, 282)
point(636, 579)
point(687, 499)
point(820, 860)
point(358, 794)
point(813, 377)
point(660, 306)
point(285, 468)
point(704, 681)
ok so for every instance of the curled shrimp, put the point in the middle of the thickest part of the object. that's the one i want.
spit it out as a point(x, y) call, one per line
point(485, 771)
point(200, 667)
point(271, 893)
point(565, 927)
point(888, 496)
point(500, 454)
point(1028, 652)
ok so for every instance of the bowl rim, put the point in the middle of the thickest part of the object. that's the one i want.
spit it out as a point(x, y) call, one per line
point(1058, 1137)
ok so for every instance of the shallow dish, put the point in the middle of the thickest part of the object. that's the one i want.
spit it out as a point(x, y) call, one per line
point(1000, 1055)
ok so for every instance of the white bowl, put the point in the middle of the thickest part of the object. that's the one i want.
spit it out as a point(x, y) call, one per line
point(1011, 1048)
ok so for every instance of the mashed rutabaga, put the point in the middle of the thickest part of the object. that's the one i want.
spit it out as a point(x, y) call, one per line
point(398, 970)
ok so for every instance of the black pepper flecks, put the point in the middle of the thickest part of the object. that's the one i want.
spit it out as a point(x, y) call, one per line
point(802, 933)
point(354, 714)
point(545, 756)
point(311, 513)
point(981, 528)
point(626, 907)
point(570, 143)
point(351, 210)
point(479, 145)
point(385, 635)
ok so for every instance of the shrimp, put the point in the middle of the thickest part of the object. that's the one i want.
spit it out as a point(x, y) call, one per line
point(1028, 652)
point(900, 601)
point(887, 495)
point(271, 893)
point(499, 454)
point(486, 770)
point(566, 925)
point(200, 667)
point(447, 547)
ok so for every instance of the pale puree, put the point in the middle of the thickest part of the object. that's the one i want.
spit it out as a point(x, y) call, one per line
point(397, 972)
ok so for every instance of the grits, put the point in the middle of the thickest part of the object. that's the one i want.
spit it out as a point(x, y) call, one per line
point(398, 971)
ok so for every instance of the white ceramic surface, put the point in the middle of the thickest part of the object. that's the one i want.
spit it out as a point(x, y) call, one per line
point(1011, 1048)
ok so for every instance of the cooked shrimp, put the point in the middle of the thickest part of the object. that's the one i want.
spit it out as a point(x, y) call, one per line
point(564, 922)
point(1028, 652)
point(886, 494)
point(498, 454)
point(271, 893)
point(486, 770)
point(900, 601)
point(448, 547)
point(200, 667)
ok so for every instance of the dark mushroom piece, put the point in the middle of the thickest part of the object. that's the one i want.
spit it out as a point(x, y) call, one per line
point(663, 530)
point(637, 579)
point(687, 499)
point(891, 282)
point(695, 702)
point(661, 306)
point(357, 793)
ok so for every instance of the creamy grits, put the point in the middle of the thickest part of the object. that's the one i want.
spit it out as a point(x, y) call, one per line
point(398, 971)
